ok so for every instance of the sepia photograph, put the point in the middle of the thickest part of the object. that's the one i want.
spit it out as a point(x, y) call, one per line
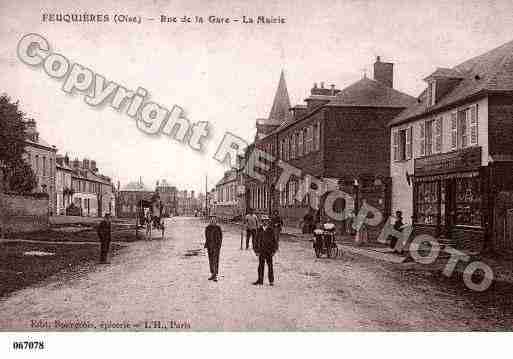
point(253, 167)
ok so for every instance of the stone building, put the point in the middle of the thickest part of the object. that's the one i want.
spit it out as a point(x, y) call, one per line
point(93, 192)
point(41, 157)
point(452, 155)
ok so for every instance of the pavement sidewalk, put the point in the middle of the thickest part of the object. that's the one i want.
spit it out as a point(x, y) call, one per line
point(502, 267)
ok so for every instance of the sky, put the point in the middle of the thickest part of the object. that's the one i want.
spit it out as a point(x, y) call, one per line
point(225, 74)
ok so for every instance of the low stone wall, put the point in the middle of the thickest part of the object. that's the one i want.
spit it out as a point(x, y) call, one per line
point(24, 213)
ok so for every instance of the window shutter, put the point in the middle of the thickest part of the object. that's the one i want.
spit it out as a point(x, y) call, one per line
point(408, 143)
point(438, 135)
point(396, 145)
point(473, 125)
point(422, 139)
point(454, 131)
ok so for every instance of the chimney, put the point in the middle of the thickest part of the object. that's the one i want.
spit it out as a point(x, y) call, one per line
point(93, 166)
point(66, 160)
point(85, 164)
point(76, 163)
point(384, 72)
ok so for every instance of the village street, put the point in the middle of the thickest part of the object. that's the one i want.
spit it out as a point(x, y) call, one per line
point(166, 281)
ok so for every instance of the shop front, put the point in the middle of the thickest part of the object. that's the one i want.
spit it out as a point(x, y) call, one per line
point(449, 194)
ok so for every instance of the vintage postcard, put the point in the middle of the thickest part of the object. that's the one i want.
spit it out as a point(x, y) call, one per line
point(255, 166)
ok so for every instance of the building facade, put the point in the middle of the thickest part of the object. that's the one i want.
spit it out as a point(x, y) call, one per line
point(226, 204)
point(452, 155)
point(63, 185)
point(168, 198)
point(93, 193)
point(339, 137)
point(130, 197)
point(41, 157)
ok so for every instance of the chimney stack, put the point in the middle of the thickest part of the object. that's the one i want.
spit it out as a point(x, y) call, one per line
point(384, 72)
point(93, 166)
point(85, 164)
point(76, 163)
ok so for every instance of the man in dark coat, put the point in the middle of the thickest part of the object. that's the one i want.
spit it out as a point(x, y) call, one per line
point(266, 247)
point(104, 233)
point(213, 241)
point(277, 224)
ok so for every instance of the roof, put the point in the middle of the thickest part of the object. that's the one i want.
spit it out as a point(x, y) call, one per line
point(446, 73)
point(281, 104)
point(371, 93)
point(491, 71)
point(41, 143)
point(136, 187)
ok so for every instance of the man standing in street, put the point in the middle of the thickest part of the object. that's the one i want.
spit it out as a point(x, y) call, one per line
point(276, 224)
point(251, 221)
point(104, 233)
point(266, 247)
point(213, 241)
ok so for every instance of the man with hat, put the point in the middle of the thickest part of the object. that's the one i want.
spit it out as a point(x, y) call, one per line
point(265, 249)
point(104, 233)
point(213, 240)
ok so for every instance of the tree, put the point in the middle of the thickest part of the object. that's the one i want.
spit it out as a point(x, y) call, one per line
point(21, 178)
point(18, 175)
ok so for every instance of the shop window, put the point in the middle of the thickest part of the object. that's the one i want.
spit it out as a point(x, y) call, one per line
point(468, 201)
point(427, 203)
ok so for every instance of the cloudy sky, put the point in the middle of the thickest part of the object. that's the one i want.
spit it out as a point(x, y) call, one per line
point(225, 74)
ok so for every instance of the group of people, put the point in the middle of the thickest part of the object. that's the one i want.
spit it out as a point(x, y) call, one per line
point(264, 234)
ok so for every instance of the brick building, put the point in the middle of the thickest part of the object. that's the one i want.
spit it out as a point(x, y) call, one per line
point(453, 154)
point(339, 136)
point(41, 157)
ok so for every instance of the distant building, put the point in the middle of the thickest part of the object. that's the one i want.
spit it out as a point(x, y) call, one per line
point(168, 198)
point(129, 198)
point(63, 186)
point(41, 157)
point(226, 205)
point(93, 192)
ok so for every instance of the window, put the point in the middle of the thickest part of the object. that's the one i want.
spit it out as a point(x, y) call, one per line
point(286, 157)
point(402, 144)
point(309, 139)
point(44, 166)
point(292, 146)
point(427, 203)
point(464, 128)
point(300, 146)
point(438, 135)
point(429, 137)
point(432, 93)
point(316, 137)
point(468, 201)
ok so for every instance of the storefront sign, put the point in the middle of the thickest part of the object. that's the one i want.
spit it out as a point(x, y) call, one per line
point(468, 159)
